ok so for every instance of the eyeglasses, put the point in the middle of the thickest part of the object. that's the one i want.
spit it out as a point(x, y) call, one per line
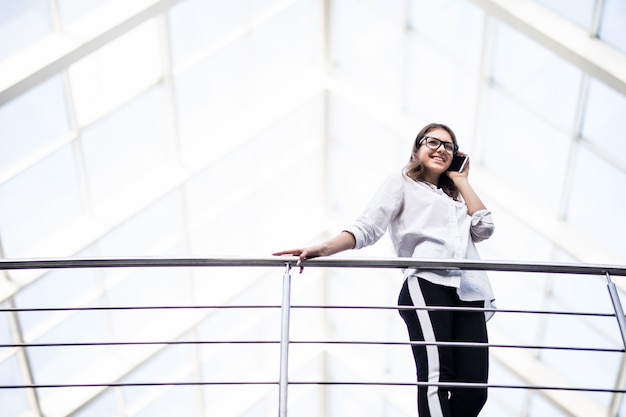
point(434, 143)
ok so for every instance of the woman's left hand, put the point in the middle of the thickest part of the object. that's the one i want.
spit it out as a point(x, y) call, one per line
point(459, 175)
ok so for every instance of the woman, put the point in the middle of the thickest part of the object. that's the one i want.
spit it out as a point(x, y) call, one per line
point(432, 212)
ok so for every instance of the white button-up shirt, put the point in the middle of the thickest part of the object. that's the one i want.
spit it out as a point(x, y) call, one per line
point(424, 222)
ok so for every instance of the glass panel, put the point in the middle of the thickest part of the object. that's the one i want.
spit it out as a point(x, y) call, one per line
point(65, 364)
point(23, 22)
point(579, 11)
point(504, 403)
point(236, 401)
point(622, 407)
point(583, 293)
point(285, 44)
point(175, 401)
point(363, 39)
point(196, 25)
point(14, 401)
point(149, 288)
point(121, 148)
point(394, 10)
point(116, 72)
point(519, 291)
point(171, 364)
point(211, 91)
point(240, 362)
point(438, 88)
point(38, 202)
point(525, 150)
point(156, 230)
point(205, 190)
point(341, 287)
point(597, 201)
point(540, 79)
point(356, 141)
point(279, 158)
point(5, 332)
point(540, 406)
point(71, 10)
point(32, 122)
point(612, 29)
point(258, 7)
point(147, 234)
point(605, 120)
point(347, 400)
point(105, 405)
point(311, 399)
point(258, 287)
point(457, 26)
point(593, 369)
point(62, 364)
point(219, 232)
point(71, 288)
point(526, 244)
point(254, 169)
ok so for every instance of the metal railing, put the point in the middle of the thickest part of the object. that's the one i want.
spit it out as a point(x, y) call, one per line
point(287, 264)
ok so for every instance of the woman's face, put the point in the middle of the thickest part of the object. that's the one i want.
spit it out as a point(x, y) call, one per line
point(435, 161)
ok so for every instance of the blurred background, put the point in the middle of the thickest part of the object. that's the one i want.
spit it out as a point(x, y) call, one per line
point(214, 128)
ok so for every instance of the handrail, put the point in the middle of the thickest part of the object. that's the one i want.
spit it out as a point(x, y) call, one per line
point(329, 262)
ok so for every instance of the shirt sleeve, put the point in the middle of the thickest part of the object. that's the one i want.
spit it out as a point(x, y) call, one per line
point(382, 208)
point(482, 225)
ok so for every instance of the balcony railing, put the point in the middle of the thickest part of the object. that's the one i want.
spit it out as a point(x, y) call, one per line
point(287, 265)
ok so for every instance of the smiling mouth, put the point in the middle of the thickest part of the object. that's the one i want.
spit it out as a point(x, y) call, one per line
point(438, 158)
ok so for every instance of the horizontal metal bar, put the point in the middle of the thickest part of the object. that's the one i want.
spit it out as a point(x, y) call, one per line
point(327, 262)
point(466, 344)
point(494, 310)
point(327, 383)
point(308, 342)
point(460, 384)
point(144, 343)
point(344, 307)
point(137, 384)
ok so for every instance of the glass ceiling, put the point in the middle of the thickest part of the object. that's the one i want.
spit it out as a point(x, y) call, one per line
point(237, 128)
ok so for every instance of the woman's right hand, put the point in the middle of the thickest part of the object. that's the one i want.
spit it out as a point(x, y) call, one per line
point(344, 241)
point(302, 253)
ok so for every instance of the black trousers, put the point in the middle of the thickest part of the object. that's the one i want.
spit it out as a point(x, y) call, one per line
point(445, 363)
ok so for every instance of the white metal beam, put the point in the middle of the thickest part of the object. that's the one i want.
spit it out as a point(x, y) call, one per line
point(563, 37)
point(59, 50)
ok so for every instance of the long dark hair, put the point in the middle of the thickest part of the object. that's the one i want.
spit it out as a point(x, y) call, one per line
point(415, 170)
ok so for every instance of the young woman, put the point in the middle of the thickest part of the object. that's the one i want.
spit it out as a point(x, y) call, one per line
point(432, 212)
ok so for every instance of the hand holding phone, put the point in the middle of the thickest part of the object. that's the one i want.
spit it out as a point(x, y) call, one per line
point(458, 163)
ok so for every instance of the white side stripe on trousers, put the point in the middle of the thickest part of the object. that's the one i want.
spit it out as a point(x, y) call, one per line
point(432, 352)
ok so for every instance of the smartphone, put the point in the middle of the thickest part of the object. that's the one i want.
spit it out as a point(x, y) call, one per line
point(458, 163)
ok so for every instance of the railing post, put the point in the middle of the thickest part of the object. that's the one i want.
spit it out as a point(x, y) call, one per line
point(617, 306)
point(284, 343)
point(619, 314)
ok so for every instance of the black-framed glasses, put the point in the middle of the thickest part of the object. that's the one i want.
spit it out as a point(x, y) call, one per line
point(434, 143)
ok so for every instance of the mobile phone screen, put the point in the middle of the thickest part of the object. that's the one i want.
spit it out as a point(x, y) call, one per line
point(458, 163)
